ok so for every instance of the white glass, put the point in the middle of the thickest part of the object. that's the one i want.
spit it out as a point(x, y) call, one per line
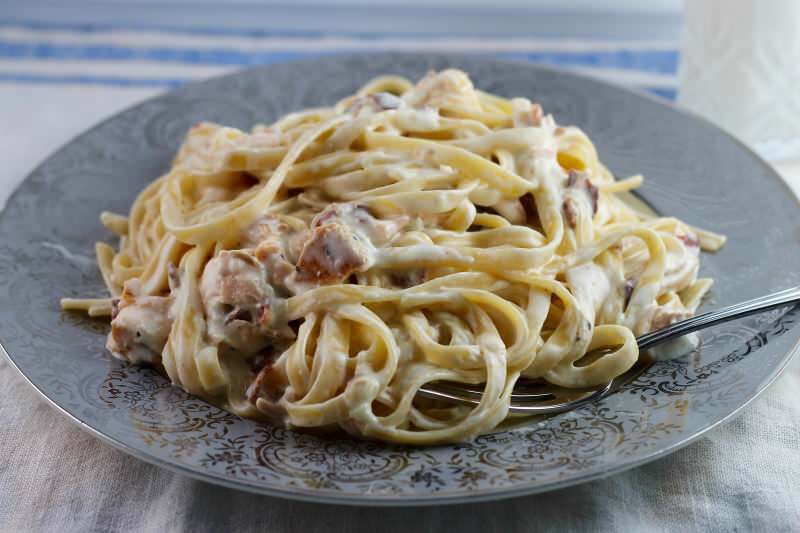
point(740, 68)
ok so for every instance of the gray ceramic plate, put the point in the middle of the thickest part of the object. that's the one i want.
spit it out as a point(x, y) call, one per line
point(693, 171)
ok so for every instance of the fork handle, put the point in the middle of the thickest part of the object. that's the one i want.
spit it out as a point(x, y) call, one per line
point(698, 322)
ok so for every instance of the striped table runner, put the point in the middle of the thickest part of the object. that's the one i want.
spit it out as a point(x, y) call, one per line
point(156, 57)
point(57, 80)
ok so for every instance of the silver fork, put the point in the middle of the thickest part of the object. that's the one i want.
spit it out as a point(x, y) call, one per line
point(542, 399)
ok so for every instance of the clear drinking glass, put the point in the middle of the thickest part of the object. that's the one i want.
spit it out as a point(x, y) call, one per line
point(740, 68)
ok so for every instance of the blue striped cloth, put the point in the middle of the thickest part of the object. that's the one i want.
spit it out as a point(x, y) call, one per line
point(161, 56)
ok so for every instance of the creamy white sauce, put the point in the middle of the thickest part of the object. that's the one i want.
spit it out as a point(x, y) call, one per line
point(426, 119)
point(79, 260)
point(140, 329)
point(682, 264)
point(590, 286)
point(675, 348)
point(234, 282)
point(370, 229)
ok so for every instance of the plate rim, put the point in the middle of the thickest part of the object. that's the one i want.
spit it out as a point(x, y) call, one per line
point(634, 91)
point(378, 500)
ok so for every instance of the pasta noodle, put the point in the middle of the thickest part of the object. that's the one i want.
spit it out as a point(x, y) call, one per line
point(318, 271)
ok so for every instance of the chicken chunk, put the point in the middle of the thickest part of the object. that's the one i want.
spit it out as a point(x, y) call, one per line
point(526, 114)
point(446, 89)
point(343, 241)
point(241, 306)
point(276, 246)
point(267, 227)
point(361, 220)
point(374, 103)
point(333, 252)
point(140, 325)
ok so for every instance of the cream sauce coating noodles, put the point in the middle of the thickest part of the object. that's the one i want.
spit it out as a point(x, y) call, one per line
point(318, 271)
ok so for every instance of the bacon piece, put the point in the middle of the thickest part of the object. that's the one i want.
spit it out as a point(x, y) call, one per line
point(114, 308)
point(529, 204)
point(173, 276)
point(570, 212)
point(526, 114)
point(536, 115)
point(262, 365)
point(409, 278)
point(630, 284)
point(580, 181)
point(689, 240)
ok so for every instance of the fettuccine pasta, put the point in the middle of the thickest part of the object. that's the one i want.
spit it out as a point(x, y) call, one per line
point(318, 271)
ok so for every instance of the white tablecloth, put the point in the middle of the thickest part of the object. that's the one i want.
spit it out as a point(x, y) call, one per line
point(55, 83)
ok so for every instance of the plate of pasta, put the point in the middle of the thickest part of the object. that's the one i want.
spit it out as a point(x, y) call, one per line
point(286, 256)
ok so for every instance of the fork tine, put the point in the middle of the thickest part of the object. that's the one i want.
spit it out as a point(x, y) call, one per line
point(548, 409)
point(522, 389)
point(546, 391)
point(532, 406)
point(535, 404)
point(476, 393)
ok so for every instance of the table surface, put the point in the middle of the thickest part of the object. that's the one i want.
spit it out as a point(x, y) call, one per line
point(57, 81)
